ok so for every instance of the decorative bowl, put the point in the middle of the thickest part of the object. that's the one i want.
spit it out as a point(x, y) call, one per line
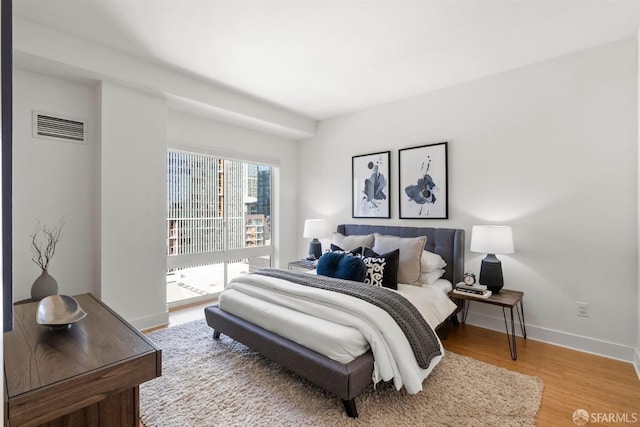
point(59, 311)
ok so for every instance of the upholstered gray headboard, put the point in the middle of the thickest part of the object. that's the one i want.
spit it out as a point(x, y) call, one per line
point(446, 242)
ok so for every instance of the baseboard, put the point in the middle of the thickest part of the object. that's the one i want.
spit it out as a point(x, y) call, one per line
point(636, 362)
point(150, 322)
point(562, 339)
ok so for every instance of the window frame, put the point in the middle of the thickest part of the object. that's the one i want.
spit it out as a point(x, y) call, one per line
point(226, 255)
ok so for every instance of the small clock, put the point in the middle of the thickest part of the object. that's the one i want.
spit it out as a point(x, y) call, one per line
point(469, 279)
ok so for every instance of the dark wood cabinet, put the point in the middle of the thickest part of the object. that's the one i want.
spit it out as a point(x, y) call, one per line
point(86, 375)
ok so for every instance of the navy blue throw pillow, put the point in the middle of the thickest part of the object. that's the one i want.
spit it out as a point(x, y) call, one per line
point(342, 266)
point(356, 251)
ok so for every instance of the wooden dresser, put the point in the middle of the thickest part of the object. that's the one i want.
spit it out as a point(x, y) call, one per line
point(86, 375)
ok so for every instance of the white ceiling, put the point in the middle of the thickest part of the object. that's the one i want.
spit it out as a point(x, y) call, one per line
point(326, 58)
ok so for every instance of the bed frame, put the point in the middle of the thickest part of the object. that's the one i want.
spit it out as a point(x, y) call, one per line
point(350, 380)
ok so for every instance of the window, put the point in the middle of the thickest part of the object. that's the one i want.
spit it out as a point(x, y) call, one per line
point(218, 223)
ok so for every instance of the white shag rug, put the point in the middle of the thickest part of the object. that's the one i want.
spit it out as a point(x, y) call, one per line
point(206, 382)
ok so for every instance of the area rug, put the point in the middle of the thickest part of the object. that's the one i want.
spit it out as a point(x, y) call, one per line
point(206, 382)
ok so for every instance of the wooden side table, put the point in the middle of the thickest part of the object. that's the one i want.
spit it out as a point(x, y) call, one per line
point(505, 299)
point(88, 374)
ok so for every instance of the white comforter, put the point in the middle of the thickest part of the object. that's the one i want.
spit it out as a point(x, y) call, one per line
point(393, 357)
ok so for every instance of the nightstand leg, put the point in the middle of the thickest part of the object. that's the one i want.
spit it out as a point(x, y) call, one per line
point(523, 328)
point(465, 310)
point(513, 350)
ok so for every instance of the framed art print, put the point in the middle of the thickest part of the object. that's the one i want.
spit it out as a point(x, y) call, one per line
point(370, 191)
point(424, 186)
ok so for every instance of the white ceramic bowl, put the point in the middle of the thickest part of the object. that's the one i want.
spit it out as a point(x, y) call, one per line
point(59, 311)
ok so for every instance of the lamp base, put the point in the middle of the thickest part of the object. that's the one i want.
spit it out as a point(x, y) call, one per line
point(315, 249)
point(491, 273)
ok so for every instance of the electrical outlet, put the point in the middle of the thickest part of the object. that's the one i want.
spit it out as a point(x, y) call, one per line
point(583, 309)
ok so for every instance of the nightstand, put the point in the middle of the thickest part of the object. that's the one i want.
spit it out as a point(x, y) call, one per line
point(505, 299)
point(299, 265)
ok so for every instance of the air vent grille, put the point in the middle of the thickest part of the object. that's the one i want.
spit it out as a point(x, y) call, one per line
point(59, 128)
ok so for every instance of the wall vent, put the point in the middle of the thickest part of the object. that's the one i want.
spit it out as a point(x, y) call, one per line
point(59, 128)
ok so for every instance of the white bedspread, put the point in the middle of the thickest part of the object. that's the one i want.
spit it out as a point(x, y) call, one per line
point(335, 324)
point(430, 300)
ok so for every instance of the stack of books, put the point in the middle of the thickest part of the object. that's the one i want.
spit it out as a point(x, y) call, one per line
point(477, 290)
point(308, 262)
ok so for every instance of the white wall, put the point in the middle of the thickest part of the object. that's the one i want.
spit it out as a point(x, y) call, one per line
point(35, 45)
point(636, 360)
point(1, 242)
point(133, 204)
point(197, 133)
point(111, 192)
point(54, 180)
point(550, 149)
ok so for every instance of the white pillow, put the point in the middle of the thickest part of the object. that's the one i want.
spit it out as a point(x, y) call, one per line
point(411, 249)
point(349, 243)
point(431, 277)
point(431, 262)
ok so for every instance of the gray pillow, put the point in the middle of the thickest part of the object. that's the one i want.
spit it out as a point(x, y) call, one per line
point(349, 243)
point(411, 248)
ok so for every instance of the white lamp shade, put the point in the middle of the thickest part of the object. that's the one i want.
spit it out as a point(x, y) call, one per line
point(492, 239)
point(314, 228)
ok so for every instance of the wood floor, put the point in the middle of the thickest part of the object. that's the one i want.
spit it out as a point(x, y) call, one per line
point(605, 388)
point(573, 380)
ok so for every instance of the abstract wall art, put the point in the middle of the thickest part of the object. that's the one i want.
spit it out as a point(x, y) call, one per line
point(423, 182)
point(370, 174)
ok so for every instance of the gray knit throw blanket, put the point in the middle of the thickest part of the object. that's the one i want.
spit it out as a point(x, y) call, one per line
point(420, 335)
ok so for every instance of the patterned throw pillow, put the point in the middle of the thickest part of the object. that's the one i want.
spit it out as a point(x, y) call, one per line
point(389, 267)
point(375, 270)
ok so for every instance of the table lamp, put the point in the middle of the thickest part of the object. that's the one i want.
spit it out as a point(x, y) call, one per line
point(491, 240)
point(314, 228)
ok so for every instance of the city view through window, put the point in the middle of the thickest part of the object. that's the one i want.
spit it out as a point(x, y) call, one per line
point(218, 223)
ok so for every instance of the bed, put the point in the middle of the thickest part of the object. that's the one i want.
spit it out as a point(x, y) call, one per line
point(345, 377)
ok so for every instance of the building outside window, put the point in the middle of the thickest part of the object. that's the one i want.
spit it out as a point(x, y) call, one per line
point(218, 223)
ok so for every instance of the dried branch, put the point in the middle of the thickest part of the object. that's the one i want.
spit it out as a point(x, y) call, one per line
point(43, 243)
